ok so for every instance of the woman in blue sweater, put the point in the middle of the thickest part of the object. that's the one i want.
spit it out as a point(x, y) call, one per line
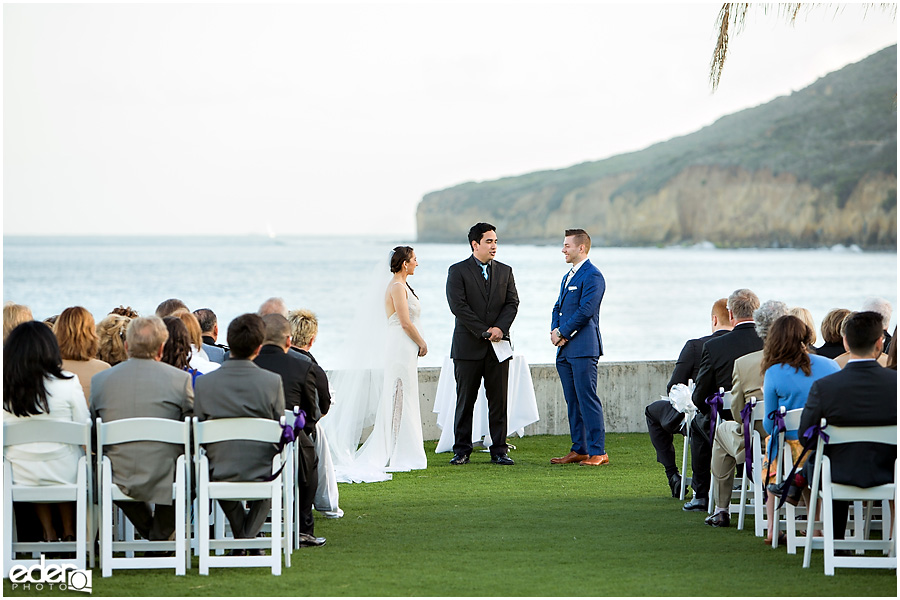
point(789, 371)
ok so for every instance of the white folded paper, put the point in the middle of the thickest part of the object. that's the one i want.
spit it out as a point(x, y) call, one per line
point(503, 350)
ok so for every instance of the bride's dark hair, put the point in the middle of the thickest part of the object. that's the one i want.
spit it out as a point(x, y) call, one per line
point(400, 255)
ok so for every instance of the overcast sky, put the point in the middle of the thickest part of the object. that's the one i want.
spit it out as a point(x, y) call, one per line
point(308, 118)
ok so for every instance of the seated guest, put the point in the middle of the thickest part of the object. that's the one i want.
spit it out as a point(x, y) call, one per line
point(209, 332)
point(78, 345)
point(831, 333)
point(177, 351)
point(304, 329)
point(663, 421)
point(716, 368)
point(199, 359)
point(862, 394)
point(168, 307)
point(789, 371)
point(125, 311)
point(241, 389)
point(50, 321)
point(728, 444)
point(882, 358)
point(111, 339)
point(143, 386)
point(35, 387)
point(299, 385)
point(804, 315)
point(883, 308)
point(273, 306)
point(13, 316)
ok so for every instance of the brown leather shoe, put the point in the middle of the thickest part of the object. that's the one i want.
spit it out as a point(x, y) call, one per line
point(571, 457)
point(596, 461)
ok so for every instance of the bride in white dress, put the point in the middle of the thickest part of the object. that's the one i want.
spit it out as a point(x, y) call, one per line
point(395, 443)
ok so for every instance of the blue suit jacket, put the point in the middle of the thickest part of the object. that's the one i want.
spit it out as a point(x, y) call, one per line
point(577, 312)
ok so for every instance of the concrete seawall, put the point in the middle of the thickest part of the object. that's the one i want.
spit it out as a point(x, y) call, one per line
point(625, 388)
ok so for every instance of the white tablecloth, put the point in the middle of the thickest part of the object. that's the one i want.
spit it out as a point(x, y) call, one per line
point(521, 405)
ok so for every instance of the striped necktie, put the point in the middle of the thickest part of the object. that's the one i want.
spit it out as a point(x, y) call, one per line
point(570, 275)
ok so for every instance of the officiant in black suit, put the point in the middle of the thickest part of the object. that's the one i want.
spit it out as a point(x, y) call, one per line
point(482, 296)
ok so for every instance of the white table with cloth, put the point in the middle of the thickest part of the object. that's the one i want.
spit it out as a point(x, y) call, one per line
point(521, 405)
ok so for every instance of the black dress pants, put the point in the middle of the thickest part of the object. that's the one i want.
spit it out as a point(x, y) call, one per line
point(469, 374)
point(307, 482)
point(663, 422)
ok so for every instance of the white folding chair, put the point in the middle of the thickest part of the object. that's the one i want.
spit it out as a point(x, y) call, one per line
point(80, 492)
point(754, 487)
point(885, 434)
point(783, 465)
point(223, 430)
point(685, 449)
point(146, 429)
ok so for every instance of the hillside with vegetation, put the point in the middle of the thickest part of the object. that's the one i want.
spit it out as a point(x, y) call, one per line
point(817, 167)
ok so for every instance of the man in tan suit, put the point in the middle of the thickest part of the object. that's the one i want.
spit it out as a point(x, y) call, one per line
point(728, 444)
point(142, 386)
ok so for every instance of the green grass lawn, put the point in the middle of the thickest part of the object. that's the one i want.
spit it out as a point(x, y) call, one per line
point(533, 529)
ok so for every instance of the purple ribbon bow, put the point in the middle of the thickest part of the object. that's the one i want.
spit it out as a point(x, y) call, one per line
point(811, 436)
point(289, 434)
point(715, 402)
point(748, 452)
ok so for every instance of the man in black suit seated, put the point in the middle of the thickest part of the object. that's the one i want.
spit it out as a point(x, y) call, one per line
point(716, 367)
point(663, 421)
point(863, 393)
point(299, 385)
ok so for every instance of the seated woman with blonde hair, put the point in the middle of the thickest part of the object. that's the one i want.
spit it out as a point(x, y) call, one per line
point(78, 345)
point(111, 334)
point(13, 316)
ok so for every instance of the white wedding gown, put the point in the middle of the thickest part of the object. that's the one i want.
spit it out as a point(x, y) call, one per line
point(395, 443)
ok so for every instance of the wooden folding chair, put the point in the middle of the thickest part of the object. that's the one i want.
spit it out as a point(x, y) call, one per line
point(80, 492)
point(145, 429)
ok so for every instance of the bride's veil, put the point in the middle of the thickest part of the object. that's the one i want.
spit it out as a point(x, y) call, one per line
point(358, 376)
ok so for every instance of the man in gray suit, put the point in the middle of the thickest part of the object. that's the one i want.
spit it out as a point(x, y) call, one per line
point(241, 389)
point(209, 329)
point(142, 386)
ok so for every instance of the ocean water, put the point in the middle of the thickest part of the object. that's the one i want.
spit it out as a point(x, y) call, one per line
point(656, 298)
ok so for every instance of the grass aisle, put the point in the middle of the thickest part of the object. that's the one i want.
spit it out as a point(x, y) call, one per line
point(528, 530)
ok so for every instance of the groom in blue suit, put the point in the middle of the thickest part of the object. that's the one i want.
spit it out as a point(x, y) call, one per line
point(576, 332)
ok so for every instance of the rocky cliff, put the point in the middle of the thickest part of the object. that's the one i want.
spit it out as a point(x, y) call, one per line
point(818, 167)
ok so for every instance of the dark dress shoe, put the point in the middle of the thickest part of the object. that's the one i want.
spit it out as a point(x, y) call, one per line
point(697, 504)
point(721, 519)
point(307, 540)
point(502, 459)
point(675, 485)
point(459, 459)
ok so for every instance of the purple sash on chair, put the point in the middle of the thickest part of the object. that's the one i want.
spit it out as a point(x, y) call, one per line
point(748, 452)
point(715, 402)
point(289, 434)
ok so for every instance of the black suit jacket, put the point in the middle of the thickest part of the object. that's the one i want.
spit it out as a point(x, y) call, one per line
point(831, 349)
point(478, 307)
point(717, 361)
point(297, 379)
point(688, 364)
point(320, 377)
point(862, 393)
